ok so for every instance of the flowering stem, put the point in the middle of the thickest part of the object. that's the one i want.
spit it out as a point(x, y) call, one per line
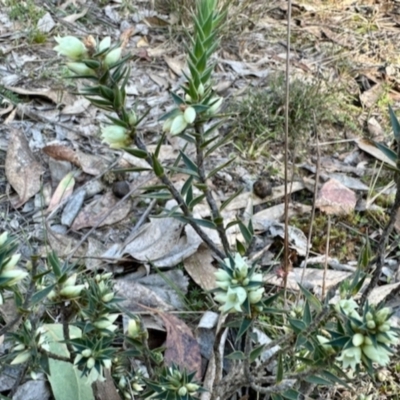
point(210, 199)
point(28, 296)
point(181, 202)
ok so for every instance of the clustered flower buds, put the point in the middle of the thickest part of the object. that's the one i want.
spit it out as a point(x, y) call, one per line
point(115, 136)
point(237, 284)
point(179, 121)
point(23, 347)
point(173, 382)
point(10, 275)
point(370, 337)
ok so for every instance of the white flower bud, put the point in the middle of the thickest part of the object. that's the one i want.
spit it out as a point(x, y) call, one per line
point(200, 89)
point(189, 115)
point(107, 297)
point(80, 69)
point(255, 295)
point(70, 281)
point(377, 354)
point(113, 56)
point(132, 118)
point(216, 106)
point(71, 292)
point(192, 387)
point(371, 324)
point(3, 238)
point(12, 262)
point(358, 339)
point(86, 353)
point(107, 363)
point(13, 276)
point(382, 314)
point(71, 47)
point(90, 363)
point(105, 43)
point(115, 136)
point(21, 357)
point(133, 328)
point(182, 391)
point(178, 125)
point(222, 275)
point(384, 327)
point(18, 347)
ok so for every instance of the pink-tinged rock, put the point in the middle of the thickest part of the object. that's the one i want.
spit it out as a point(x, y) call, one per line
point(335, 198)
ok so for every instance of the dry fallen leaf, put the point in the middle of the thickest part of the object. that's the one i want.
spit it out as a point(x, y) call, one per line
point(63, 191)
point(95, 211)
point(23, 171)
point(199, 267)
point(181, 345)
point(335, 198)
point(62, 153)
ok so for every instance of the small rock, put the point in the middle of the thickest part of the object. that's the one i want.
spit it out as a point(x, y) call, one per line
point(262, 188)
point(120, 189)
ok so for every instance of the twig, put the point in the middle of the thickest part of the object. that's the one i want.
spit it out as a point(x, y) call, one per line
point(209, 197)
point(310, 229)
point(380, 259)
point(328, 236)
point(65, 326)
point(287, 93)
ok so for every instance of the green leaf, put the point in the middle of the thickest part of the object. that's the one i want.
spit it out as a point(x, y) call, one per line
point(160, 142)
point(106, 93)
point(196, 201)
point(157, 167)
point(189, 163)
point(157, 196)
point(103, 104)
point(236, 355)
point(226, 139)
point(189, 195)
point(256, 352)
point(311, 298)
point(307, 317)
point(292, 394)
point(317, 380)
point(93, 64)
point(339, 342)
point(136, 152)
point(386, 151)
point(170, 114)
point(279, 371)
point(244, 327)
point(335, 378)
point(297, 325)
point(53, 260)
point(41, 294)
point(230, 199)
point(365, 254)
point(222, 166)
point(240, 247)
point(395, 124)
point(118, 122)
point(187, 185)
point(177, 99)
point(248, 237)
point(183, 171)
